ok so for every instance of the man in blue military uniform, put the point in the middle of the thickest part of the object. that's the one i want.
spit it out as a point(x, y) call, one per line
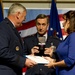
point(31, 45)
point(11, 46)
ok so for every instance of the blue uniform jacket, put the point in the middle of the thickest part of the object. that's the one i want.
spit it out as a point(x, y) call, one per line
point(11, 50)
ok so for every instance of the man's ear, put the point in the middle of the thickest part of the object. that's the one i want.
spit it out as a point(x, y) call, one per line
point(17, 15)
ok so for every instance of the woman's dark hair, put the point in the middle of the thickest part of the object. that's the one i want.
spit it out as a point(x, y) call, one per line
point(70, 16)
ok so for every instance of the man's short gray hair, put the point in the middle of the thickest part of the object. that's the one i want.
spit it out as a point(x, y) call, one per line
point(16, 7)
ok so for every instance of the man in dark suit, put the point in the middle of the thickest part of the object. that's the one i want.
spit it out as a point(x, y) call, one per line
point(32, 48)
point(11, 46)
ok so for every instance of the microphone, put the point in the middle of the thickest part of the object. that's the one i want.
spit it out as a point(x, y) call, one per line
point(41, 45)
